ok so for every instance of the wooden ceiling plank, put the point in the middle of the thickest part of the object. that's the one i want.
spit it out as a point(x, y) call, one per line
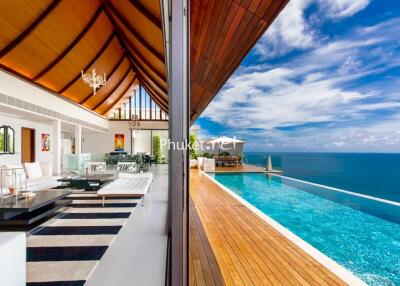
point(156, 99)
point(71, 45)
point(126, 50)
point(28, 30)
point(153, 94)
point(121, 96)
point(143, 72)
point(99, 53)
point(143, 10)
point(138, 55)
point(130, 28)
point(108, 76)
point(144, 79)
point(115, 87)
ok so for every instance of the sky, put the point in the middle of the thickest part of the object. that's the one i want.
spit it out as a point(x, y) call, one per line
point(324, 77)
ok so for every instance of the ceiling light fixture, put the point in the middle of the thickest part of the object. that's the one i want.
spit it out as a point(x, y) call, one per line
point(94, 80)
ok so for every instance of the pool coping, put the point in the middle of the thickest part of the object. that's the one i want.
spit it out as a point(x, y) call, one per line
point(346, 275)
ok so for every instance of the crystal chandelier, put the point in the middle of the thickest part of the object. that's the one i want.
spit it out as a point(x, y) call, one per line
point(94, 80)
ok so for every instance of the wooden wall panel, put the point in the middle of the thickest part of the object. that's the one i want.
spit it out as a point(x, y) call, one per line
point(222, 33)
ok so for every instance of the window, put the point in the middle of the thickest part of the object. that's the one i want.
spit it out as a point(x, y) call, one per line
point(7, 136)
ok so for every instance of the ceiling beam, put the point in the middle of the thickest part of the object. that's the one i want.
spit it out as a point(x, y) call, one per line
point(28, 30)
point(139, 57)
point(121, 96)
point(130, 28)
point(114, 89)
point(143, 10)
point(157, 100)
point(108, 76)
point(96, 57)
point(71, 45)
point(149, 78)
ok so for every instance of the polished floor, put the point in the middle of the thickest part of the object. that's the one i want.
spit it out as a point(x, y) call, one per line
point(137, 255)
point(248, 250)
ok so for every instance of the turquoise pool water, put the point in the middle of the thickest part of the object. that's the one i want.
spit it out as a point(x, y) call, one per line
point(360, 234)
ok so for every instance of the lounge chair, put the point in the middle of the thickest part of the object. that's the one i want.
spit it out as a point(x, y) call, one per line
point(128, 185)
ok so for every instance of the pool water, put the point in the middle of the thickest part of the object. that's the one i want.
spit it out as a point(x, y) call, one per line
point(355, 232)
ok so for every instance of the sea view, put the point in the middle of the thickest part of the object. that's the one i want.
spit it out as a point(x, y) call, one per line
point(373, 174)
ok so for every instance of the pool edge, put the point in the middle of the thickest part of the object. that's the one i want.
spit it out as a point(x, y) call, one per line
point(346, 275)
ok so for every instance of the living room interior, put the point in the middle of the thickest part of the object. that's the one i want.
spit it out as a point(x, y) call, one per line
point(88, 91)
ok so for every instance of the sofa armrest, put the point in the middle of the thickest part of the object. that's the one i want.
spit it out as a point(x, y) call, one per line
point(13, 258)
point(47, 169)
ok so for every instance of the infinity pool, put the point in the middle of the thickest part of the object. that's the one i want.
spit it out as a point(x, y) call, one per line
point(361, 234)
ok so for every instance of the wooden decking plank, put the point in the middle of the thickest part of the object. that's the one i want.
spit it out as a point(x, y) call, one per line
point(247, 249)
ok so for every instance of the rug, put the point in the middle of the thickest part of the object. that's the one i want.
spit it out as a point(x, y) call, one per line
point(65, 250)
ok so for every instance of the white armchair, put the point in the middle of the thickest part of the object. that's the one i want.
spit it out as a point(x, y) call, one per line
point(200, 162)
point(208, 165)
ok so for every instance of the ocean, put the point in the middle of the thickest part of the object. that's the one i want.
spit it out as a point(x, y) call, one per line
point(374, 174)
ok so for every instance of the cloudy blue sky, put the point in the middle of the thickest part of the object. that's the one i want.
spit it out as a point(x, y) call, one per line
point(324, 77)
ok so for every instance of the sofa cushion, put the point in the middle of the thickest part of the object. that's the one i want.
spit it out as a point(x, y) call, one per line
point(33, 170)
point(47, 169)
point(42, 183)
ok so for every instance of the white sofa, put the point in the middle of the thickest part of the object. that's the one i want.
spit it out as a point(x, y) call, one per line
point(200, 162)
point(12, 258)
point(208, 165)
point(39, 176)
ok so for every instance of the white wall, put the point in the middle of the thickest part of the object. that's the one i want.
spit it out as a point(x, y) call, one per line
point(101, 143)
point(20, 89)
point(17, 124)
point(142, 142)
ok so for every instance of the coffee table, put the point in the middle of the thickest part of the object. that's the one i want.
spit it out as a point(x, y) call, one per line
point(91, 182)
point(26, 211)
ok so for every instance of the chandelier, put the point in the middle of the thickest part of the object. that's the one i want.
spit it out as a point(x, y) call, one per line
point(134, 123)
point(94, 80)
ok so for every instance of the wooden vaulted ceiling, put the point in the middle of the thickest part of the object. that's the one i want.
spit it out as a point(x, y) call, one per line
point(49, 42)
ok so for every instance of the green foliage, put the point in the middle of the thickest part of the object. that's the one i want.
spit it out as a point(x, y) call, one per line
point(192, 147)
point(157, 148)
point(225, 153)
point(207, 155)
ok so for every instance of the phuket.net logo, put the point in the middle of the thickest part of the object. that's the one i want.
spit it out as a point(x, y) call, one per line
point(200, 145)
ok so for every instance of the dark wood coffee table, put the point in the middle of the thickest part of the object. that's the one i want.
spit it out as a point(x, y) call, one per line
point(26, 211)
point(92, 182)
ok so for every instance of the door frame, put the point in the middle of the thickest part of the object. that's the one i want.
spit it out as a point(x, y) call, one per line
point(33, 142)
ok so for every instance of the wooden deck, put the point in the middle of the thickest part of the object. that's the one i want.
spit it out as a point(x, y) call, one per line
point(248, 251)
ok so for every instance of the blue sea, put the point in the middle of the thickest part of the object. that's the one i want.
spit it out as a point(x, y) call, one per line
point(374, 174)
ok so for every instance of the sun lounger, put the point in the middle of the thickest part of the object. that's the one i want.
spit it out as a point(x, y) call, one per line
point(127, 185)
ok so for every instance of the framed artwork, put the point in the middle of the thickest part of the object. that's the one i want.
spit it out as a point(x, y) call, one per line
point(45, 143)
point(119, 142)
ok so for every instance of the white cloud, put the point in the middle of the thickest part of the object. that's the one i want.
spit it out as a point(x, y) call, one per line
point(342, 8)
point(289, 31)
point(293, 29)
point(318, 88)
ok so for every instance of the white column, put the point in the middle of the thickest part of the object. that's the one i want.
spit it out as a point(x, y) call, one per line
point(56, 147)
point(78, 140)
